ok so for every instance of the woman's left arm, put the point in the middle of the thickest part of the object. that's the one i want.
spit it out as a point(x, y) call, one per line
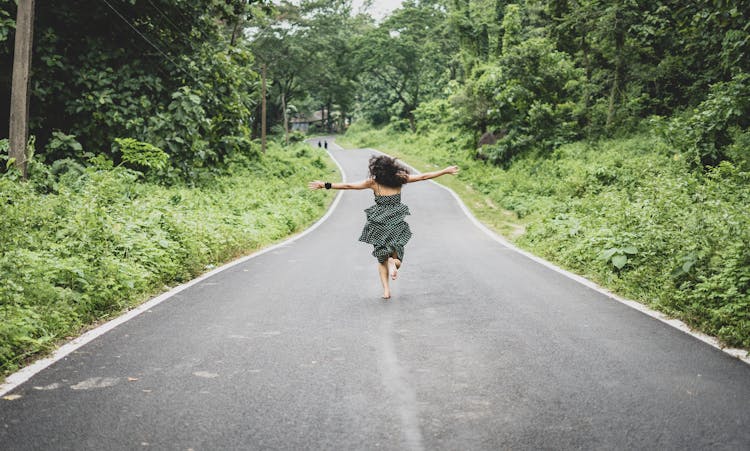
point(432, 175)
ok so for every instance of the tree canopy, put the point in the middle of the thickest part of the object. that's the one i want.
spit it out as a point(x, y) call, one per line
point(184, 75)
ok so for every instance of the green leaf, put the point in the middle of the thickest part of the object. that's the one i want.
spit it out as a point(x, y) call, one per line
point(608, 253)
point(619, 261)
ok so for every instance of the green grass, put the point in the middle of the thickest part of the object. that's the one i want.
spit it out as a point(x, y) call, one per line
point(98, 242)
point(626, 213)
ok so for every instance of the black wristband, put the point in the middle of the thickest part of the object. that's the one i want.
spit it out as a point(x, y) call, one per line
point(328, 185)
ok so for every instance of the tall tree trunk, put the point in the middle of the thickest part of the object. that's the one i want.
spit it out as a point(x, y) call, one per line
point(263, 109)
point(587, 67)
point(586, 118)
point(619, 36)
point(286, 119)
point(328, 119)
point(235, 30)
point(612, 97)
point(19, 98)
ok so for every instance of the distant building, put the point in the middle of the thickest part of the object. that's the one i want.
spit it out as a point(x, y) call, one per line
point(303, 123)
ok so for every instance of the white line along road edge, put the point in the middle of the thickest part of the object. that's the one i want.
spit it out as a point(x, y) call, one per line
point(24, 374)
point(677, 324)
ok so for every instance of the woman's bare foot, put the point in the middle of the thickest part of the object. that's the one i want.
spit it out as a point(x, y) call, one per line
point(386, 295)
point(393, 264)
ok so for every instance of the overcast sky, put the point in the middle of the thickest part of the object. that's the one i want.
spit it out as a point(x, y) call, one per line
point(379, 7)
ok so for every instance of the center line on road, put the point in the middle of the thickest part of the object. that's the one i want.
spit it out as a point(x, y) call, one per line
point(394, 381)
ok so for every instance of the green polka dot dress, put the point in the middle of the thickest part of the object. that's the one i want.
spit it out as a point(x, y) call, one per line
point(385, 228)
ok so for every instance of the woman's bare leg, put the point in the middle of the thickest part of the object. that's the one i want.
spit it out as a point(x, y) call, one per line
point(383, 271)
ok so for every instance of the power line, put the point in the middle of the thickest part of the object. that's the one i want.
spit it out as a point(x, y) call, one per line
point(149, 41)
point(156, 47)
point(176, 27)
point(163, 14)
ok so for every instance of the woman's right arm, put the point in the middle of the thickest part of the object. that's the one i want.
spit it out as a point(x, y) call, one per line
point(364, 184)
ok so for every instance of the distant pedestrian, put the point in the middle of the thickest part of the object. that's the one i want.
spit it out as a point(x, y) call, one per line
point(385, 228)
point(318, 143)
point(325, 144)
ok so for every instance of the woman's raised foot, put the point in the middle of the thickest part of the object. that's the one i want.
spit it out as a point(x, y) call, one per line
point(393, 264)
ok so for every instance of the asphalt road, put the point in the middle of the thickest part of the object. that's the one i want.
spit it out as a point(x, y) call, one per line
point(479, 348)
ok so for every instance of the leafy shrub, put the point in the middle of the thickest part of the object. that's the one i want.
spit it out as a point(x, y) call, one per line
point(141, 154)
point(100, 103)
point(706, 134)
point(398, 125)
point(525, 98)
point(429, 115)
point(296, 137)
point(60, 143)
point(180, 132)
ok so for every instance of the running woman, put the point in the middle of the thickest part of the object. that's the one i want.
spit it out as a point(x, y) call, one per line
point(386, 228)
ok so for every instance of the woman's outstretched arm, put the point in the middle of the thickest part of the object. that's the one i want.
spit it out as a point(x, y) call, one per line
point(432, 175)
point(364, 184)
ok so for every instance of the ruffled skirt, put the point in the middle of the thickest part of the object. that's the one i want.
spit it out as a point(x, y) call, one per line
point(385, 228)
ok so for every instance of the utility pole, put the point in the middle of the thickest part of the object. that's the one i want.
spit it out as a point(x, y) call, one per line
point(263, 109)
point(19, 97)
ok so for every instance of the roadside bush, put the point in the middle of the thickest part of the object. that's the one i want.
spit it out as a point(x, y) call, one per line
point(140, 154)
point(99, 240)
point(708, 133)
point(180, 131)
point(627, 213)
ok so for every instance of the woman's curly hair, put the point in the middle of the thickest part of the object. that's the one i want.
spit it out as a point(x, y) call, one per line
point(387, 171)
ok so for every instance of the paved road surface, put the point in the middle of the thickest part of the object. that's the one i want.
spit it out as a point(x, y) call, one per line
point(480, 348)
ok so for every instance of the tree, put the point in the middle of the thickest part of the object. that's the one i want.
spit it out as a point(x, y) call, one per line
point(478, 27)
point(328, 35)
point(406, 57)
point(107, 78)
point(277, 35)
point(19, 113)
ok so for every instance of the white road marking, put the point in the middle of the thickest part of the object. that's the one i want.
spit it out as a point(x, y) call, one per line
point(205, 374)
point(96, 382)
point(404, 395)
point(54, 386)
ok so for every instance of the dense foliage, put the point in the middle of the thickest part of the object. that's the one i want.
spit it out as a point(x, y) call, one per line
point(403, 61)
point(530, 75)
point(628, 213)
point(163, 72)
point(83, 243)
